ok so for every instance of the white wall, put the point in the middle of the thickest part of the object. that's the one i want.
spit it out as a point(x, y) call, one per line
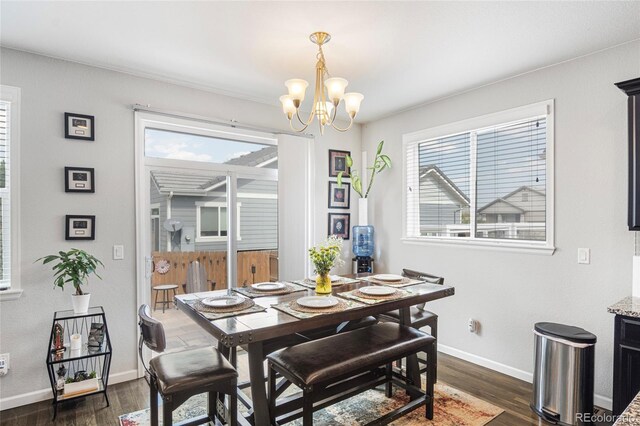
point(507, 291)
point(51, 87)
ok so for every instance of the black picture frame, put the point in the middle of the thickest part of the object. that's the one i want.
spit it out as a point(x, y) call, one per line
point(339, 225)
point(80, 227)
point(79, 179)
point(338, 163)
point(79, 126)
point(336, 193)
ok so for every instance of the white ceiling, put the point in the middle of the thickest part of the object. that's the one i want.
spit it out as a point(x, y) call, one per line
point(398, 54)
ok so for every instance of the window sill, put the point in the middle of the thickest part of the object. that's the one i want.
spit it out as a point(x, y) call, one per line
point(10, 294)
point(487, 245)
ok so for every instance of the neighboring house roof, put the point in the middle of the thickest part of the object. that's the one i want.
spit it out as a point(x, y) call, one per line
point(509, 195)
point(198, 185)
point(444, 181)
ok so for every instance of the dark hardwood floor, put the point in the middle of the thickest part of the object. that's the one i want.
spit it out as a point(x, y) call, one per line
point(506, 392)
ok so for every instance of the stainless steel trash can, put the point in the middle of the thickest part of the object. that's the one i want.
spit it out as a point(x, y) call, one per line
point(563, 374)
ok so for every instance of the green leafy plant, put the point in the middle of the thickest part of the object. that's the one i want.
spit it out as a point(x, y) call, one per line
point(326, 255)
point(73, 266)
point(381, 162)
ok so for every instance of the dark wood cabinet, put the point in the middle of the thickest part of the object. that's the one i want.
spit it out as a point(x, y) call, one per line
point(626, 362)
point(632, 89)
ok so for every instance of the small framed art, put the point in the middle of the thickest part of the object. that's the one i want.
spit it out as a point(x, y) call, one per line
point(79, 126)
point(80, 227)
point(79, 179)
point(338, 163)
point(340, 225)
point(339, 196)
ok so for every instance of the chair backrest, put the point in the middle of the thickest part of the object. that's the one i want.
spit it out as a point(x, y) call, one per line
point(417, 275)
point(196, 278)
point(151, 331)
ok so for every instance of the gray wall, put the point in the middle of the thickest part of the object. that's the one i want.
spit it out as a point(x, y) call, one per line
point(51, 87)
point(509, 291)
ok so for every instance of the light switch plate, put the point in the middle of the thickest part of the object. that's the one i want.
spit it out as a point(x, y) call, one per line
point(118, 252)
point(584, 256)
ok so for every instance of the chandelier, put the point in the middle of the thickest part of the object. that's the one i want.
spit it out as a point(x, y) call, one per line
point(325, 102)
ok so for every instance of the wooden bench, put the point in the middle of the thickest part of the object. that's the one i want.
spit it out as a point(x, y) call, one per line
point(335, 368)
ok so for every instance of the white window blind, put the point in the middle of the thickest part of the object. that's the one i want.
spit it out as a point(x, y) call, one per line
point(5, 196)
point(484, 181)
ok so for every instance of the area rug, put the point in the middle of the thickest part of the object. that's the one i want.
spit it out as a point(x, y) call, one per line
point(452, 408)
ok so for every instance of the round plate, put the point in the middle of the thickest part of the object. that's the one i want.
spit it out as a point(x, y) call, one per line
point(388, 277)
point(223, 301)
point(333, 278)
point(317, 301)
point(268, 286)
point(377, 290)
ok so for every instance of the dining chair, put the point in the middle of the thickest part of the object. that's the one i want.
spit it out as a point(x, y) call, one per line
point(197, 279)
point(419, 316)
point(180, 375)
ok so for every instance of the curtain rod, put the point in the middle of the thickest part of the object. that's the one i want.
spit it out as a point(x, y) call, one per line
point(228, 123)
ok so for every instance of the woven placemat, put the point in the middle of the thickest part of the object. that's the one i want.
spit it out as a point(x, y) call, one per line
point(402, 283)
point(307, 282)
point(341, 306)
point(248, 303)
point(399, 294)
point(373, 300)
point(252, 292)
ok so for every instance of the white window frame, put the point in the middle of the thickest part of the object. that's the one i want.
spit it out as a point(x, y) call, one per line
point(156, 216)
point(218, 204)
point(411, 141)
point(12, 96)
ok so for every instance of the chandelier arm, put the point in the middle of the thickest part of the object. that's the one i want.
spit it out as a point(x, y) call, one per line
point(305, 124)
point(298, 130)
point(341, 129)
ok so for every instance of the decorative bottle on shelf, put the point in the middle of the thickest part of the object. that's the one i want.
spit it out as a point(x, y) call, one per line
point(62, 372)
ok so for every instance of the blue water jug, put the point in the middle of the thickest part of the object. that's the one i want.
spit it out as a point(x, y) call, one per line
point(362, 241)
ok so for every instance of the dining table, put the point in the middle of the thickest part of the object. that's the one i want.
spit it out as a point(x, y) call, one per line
point(253, 331)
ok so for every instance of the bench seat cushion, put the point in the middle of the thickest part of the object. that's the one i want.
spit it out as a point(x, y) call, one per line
point(419, 317)
point(191, 369)
point(338, 356)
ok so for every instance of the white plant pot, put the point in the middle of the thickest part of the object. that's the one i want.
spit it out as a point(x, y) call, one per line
point(80, 303)
point(363, 212)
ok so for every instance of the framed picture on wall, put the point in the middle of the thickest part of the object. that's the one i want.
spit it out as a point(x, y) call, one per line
point(339, 196)
point(79, 179)
point(338, 163)
point(340, 225)
point(80, 227)
point(79, 126)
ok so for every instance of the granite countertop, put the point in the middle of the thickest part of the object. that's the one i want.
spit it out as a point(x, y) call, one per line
point(630, 416)
point(629, 307)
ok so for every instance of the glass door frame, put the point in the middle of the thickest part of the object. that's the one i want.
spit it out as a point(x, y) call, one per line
point(144, 165)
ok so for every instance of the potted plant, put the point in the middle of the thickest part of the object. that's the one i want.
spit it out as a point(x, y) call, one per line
point(380, 162)
point(73, 266)
point(324, 257)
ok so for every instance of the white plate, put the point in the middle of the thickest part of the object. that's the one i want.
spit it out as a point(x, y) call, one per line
point(317, 301)
point(223, 301)
point(268, 286)
point(377, 290)
point(388, 277)
point(333, 278)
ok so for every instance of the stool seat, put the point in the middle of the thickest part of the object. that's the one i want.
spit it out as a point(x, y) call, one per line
point(191, 369)
point(341, 354)
point(165, 287)
point(419, 318)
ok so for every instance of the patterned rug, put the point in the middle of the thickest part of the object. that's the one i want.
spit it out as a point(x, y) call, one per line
point(452, 408)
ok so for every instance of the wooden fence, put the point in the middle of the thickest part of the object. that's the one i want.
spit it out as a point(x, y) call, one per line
point(215, 263)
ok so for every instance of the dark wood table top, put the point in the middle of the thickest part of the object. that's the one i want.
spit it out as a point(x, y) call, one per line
point(260, 326)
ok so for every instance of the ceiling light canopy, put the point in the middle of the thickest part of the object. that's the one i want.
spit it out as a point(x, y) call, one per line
point(328, 93)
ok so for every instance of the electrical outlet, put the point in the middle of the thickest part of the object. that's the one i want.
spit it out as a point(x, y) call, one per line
point(118, 252)
point(4, 364)
point(472, 325)
point(584, 256)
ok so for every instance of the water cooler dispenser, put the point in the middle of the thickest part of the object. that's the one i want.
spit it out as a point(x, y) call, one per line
point(362, 240)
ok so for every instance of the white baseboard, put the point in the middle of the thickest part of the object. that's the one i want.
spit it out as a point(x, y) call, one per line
point(45, 394)
point(599, 400)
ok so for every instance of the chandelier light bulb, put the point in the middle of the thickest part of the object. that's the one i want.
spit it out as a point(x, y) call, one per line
point(335, 88)
point(352, 103)
point(287, 105)
point(297, 87)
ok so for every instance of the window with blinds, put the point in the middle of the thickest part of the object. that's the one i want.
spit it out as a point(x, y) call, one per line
point(483, 181)
point(5, 198)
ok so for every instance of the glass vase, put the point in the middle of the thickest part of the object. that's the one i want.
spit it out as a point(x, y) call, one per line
point(323, 284)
